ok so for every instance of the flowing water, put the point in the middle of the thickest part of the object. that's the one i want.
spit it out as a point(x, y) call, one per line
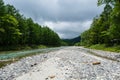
point(16, 54)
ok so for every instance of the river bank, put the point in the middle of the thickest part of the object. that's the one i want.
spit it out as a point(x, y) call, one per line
point(69, 63)
point(8, 57)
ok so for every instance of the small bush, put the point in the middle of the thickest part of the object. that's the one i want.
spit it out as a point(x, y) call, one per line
point(105, 48)
point(42, 46)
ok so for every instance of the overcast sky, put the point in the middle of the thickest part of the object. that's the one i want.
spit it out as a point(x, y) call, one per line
point(69, 18)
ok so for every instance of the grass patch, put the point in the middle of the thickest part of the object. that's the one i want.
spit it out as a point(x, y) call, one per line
point(41, 46)
point(105, 48)
point(4, 63)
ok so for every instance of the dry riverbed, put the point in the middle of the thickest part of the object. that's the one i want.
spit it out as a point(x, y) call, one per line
point(70, 63)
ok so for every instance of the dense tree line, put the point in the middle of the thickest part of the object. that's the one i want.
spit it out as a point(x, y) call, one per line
point(105, 28)
point(15, 29)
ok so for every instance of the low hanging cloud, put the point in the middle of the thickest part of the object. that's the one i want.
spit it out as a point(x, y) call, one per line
point(69, 29)
point(68, 18)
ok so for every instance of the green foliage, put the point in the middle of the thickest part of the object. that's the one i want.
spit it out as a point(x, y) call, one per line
point(100, 2)
point(85, 38)
point(50, 38)
point(115, 24)
point(63, 43)
point(105, 48)
point(78, 44)
point(10, 33)
point(42, 46)
point(98, 46)
point(2, 8)
point(16, 30)
point(105, 28)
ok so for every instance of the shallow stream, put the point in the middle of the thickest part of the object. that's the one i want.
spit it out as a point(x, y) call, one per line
point(15, 54)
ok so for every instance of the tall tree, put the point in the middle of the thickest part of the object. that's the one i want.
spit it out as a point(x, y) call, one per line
point(115, 24)
point(11, 32)
point(112, 2)
point(2, 8)
point(16, 30)
point(11, 10)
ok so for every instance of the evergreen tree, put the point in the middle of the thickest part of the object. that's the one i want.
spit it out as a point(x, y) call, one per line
point(105, 29)
point(16, 30)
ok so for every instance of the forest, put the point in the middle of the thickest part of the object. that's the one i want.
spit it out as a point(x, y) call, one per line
point(105, 28)
point(17, 30)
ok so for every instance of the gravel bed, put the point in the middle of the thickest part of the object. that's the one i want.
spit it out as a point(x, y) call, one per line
point(105, 54)
point(76, 63)
point(23, 66)
point(82, 61)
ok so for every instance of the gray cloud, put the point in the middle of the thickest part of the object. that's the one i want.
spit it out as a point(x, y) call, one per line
point(69, 29)
point(67, 17)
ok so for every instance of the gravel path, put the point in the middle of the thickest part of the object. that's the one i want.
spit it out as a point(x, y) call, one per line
point(70, 63)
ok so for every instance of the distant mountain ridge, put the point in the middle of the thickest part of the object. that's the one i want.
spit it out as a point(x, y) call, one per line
point(72, 41)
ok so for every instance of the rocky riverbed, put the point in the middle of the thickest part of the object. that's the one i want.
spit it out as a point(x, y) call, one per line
point(70, 63)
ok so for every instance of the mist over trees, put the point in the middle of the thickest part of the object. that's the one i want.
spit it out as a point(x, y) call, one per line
point(105, 28)
point(15, 29)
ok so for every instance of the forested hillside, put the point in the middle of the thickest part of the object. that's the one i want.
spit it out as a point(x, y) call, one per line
point(72, 41)
point(17, 30)
point(105, 28)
